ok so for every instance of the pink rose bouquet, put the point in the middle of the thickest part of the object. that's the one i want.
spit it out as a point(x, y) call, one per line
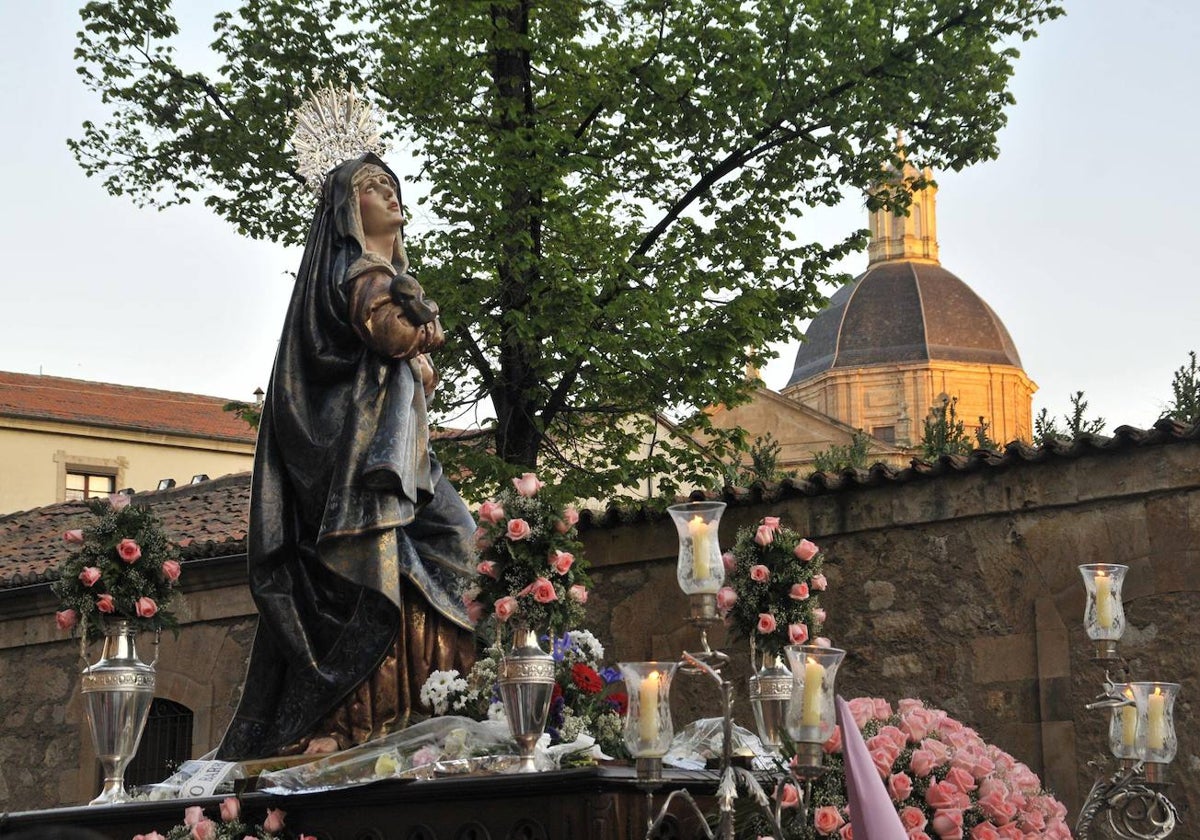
point(531, 567)
point(943, 779)
point(227, 823)
point(123, 567)
point(770, 597)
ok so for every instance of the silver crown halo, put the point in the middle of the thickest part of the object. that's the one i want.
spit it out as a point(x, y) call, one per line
point(332, 126)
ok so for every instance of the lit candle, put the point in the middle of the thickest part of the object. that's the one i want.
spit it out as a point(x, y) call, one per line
point(698, 530)
point(648, 708)
point(1104, 612)
point(1128, 722)
point(1156, 720)
point(814, 675)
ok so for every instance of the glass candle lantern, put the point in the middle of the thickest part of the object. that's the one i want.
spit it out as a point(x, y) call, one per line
point(1104, 614)
point(699, 569)
point(1156, 740)
point(1123, 725)
point(648, 729)
point(812, 714)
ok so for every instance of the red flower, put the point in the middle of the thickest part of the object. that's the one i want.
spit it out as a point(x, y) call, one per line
point(586, 678)
point(619, 700)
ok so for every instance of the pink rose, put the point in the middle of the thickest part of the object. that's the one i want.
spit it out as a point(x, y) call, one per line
point(917, 723)
point(764, 536)
point(912, 818)
point(118, 501)
point(153, 835)
point(827, 820)
point(726, 598)
point(883, 710)
point(939, 751)
point(481, 540)
point(885, 745)
point(799, 592)
point(274, 820)
point(961, 779)
point(128, 550)
point(518, 529)
point(862, 709)
point(74, 536)
point(760, 573)
point(985, 831)
point(798, 633)
point(819, 582)
point(491, 512)
point(474, 611)
point(89, 575)
point(192, 815)
point(570, 520)
point(543, 591)
point(906, 704)
point(204, 830)
point(145, 607)
point(789, 796)
point(833, 744)
point(66, 619)
point(846, 832)
point(819, 614)
point(899, 786)
point(561, 561)
point(766, 623)
point(823, 641)
point(805, 551)
point(487, 568)
point(171, 570)
point(948, 824)
point(104, 603)
point(729, 561)
point(898, 739)
point(944, 796)
point(578, 593)
point(917, 834)
point(527, 485)
point(771, 522)
point(505, 607)
point(231, 809)
point(882, 758)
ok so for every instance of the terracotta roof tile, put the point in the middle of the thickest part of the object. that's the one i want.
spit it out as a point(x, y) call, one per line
point(119, 407)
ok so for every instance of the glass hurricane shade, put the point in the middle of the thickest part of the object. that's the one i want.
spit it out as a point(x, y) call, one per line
point(1103, 614)
point(699, 569)
point(648, 728)
point(1156, 739)
point(812, 714)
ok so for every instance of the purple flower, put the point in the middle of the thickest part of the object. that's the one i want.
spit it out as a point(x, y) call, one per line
point(610, 674)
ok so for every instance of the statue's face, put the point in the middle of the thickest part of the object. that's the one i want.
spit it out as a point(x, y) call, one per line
point(379, 205)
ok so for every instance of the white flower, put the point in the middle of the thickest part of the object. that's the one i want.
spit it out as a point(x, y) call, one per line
point(587, 644)
point(496, 712)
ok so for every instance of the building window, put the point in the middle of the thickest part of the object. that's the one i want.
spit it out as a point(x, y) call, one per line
point(887, 434)
point(166, 743)
point(85, 485)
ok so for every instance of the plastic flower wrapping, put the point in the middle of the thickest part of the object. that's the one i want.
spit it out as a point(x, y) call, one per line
point(588, 703)
point(773, 577)
point(944, 780)
point(125, 568)
point(531, 568)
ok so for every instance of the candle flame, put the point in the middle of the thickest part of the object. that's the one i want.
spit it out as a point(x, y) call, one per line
point(1100, 574)
point(1158, 691)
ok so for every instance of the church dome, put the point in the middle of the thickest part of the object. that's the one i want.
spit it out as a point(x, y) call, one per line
point(901, 311)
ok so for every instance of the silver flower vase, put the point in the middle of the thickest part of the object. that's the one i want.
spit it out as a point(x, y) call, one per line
point(117, 692)
point(526, 679)
point(770, 693)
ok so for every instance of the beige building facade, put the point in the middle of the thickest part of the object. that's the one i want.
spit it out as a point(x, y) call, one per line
point(64, 439)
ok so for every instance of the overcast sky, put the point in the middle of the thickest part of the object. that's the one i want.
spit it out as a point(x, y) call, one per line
point(1077, 236)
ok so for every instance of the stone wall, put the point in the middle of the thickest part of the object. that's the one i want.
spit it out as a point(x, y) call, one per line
point(958, 586)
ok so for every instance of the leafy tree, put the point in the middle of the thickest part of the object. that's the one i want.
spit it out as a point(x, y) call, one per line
point(944, 433)
point(1185, 403)
point(1045, 427)
point(763, 466)
point(250, 414)
point(610, 189)
point(838, 457)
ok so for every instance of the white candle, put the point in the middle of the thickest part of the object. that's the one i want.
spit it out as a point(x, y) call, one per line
point(1156, 728)
point(1104, 611)
point(698, 530)
point(648, 708)
point(814, 675)
point(1128, 725)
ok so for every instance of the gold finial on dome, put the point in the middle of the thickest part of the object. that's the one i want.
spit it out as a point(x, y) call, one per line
point(911, 237)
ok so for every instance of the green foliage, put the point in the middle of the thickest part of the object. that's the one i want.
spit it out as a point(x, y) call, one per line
point(838, 457)
point(982, 439)
point(944, 433)
point(608, 192)
point(251, 414)
point(1185, 400)
point(120, 562)
point(763, 466)
point(1046, 429)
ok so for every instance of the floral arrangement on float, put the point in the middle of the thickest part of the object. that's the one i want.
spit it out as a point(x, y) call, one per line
point(531, 570)
point(125, 568)
point(772, 576)
point(944, 781)
point(197, 826)
point(587, 700)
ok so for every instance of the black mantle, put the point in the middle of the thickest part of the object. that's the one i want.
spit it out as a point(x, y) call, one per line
point(596, 803)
